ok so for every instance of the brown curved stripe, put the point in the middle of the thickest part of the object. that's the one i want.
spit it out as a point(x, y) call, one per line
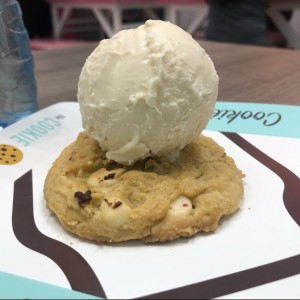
point(79, 273)
point(235, 282)
point(291, 181)
point(246, 279)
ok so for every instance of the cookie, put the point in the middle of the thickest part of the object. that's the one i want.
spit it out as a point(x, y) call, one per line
point(154, 200)
point(10, 155)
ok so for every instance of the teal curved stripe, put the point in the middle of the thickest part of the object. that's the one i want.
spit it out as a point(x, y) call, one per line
point(17, 287)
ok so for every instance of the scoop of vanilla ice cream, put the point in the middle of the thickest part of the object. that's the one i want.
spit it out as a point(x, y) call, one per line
point(147, 91)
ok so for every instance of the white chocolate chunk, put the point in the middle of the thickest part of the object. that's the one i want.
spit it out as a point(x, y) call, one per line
point(182, 206)
point(105, 176)
point(114, 212)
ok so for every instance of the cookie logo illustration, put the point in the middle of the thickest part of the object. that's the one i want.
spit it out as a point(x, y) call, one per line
point(10, 155)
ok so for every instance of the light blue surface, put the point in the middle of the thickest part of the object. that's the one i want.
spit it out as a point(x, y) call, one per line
point(262, 119)
point(16, 287)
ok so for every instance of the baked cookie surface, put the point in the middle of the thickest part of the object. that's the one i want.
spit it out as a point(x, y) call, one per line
point(153, 200)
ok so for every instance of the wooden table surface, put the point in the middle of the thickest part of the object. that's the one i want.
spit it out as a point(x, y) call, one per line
point(247, 73)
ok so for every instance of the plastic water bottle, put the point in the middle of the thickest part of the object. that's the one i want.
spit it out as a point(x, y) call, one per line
point(18, 95)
